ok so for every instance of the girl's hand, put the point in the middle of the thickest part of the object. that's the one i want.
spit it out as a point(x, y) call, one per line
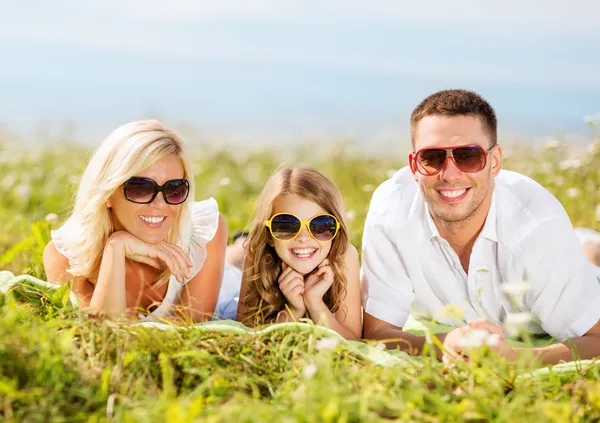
point(318, 283)
point(291, 284)
point(160, 256)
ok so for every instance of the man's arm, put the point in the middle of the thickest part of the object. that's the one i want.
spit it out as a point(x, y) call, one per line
point(564, 294)
point(375, 328)
point(583, 347)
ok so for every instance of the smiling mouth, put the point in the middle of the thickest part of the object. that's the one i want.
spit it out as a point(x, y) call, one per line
point(453, 194)
point(153, 220)
point(303, 253)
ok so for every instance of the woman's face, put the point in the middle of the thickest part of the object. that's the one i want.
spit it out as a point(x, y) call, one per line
point(149, 222)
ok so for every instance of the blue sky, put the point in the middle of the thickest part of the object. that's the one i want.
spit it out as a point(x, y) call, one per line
point(250, 70)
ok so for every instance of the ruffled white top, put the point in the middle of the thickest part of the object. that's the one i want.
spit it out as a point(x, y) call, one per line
point(204, 217)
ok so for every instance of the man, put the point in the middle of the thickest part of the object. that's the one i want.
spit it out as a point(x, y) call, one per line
point(452, 230)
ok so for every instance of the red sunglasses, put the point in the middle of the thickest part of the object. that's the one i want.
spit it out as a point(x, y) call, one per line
point(430, 161)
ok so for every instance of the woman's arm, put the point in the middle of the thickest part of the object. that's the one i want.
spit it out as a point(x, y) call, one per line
point(56, 265)
point(200, 294)
point(347, 320)
point(109, 293)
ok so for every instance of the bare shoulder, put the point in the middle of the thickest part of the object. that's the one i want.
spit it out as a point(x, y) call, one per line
point(222, 230)
point(222, 224)
point(55, 264)
point(53, 256)
point(351, 259)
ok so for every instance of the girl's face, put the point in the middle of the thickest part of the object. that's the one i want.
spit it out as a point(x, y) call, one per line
point(149, 222)
point(303, 253)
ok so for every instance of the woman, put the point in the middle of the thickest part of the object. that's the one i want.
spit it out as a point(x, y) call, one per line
point(136, 239)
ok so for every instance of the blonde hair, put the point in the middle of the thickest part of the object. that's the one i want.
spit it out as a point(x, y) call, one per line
point(128, 150)
point(263, 266)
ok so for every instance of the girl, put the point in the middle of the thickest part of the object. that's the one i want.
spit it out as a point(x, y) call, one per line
point(298, 260)
point(136, 239)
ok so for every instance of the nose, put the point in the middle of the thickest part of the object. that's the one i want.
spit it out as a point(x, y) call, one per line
point(450, 172)
point(304, 235)
point(159, 201)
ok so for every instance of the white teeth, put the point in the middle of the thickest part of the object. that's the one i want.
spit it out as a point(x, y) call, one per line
point(453, 193)
point(303, 252)
point(152, 219)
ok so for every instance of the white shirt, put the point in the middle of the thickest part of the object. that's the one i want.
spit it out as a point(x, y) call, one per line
point(407, 267)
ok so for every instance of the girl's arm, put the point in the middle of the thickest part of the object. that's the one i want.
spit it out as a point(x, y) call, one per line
point(347, 320)
point(242, 310)
point(200, 294)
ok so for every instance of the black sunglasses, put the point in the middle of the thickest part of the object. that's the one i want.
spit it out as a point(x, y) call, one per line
point(144, 190)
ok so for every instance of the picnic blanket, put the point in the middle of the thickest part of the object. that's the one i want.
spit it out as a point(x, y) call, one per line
point(28, 289)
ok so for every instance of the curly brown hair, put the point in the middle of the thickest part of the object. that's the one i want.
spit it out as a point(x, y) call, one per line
point(262, 266)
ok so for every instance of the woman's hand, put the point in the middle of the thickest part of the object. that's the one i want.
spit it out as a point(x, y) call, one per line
point(160, 256)
point(291, 284)
point(317, 284)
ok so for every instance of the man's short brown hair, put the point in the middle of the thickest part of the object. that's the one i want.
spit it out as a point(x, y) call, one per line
point(456, 103)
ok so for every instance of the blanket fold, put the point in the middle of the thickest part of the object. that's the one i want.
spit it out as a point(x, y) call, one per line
point(28, 289)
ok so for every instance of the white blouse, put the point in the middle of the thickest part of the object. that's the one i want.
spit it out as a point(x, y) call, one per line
point(204, 217)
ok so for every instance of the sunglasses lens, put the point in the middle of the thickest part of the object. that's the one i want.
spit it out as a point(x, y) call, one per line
point(285, 226)
point(431, 161)
point(469, 159)
point(139, 190)
point(323, 227)
point(176, 191)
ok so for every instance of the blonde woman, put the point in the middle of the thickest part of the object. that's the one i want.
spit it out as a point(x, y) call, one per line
point(299, 262)
point(136, 240)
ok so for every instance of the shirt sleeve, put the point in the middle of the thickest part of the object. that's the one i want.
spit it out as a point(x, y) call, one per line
point(387, 292)
point(565, 294)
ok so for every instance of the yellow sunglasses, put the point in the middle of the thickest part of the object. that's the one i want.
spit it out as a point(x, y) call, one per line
point(286, 226)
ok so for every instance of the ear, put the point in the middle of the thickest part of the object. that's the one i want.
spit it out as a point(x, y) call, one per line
point(413, 165)
point(496, 160)
point(109, 203)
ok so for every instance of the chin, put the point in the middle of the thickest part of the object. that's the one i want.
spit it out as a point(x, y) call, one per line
point(302, 268)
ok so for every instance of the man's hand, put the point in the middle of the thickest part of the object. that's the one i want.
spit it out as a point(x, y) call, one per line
point(500, 343)
point(475, 334)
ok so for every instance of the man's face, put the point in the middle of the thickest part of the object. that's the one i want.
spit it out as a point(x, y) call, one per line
point(452, 194)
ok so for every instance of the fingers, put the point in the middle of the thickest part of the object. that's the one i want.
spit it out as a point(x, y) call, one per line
point(484, 324)
point(324, 263)
point(286, 271)
point(324, 273)
point(183, 261)
point(168, 259)
point(288, 277)
point(171, 260)
point(292, 288)
point(291, 283)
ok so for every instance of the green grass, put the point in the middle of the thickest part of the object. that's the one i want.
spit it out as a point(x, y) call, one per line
point(58, 365)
